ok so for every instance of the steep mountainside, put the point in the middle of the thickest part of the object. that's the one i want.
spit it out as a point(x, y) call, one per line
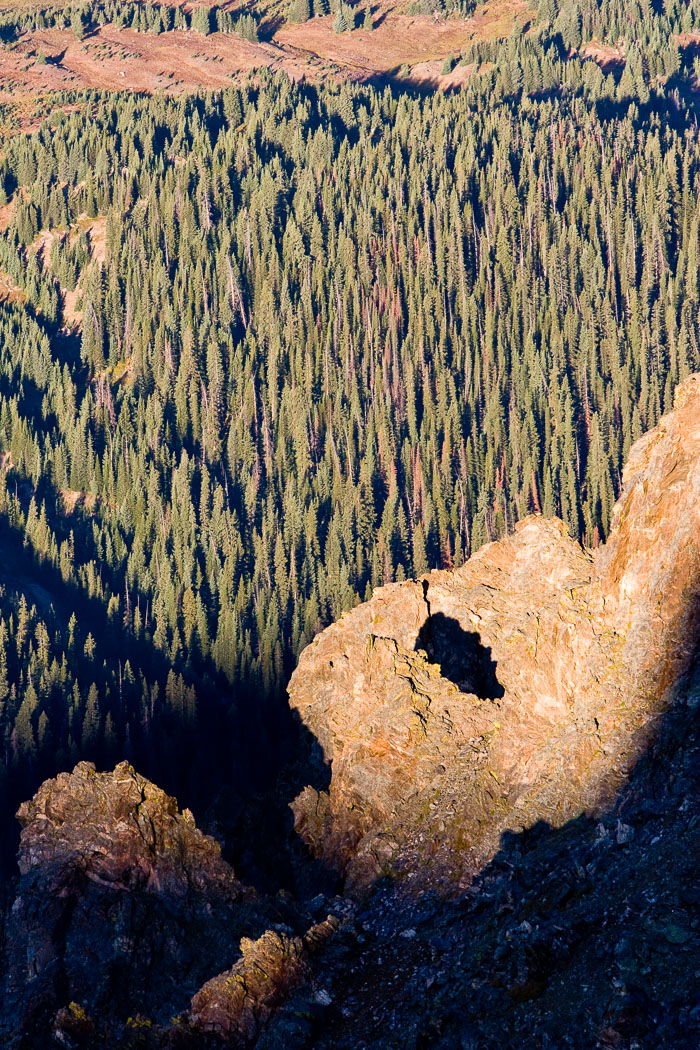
point(513, 806)
point(124, 909)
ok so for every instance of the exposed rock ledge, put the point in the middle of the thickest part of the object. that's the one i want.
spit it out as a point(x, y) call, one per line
point(122, 832)
point(547, 666)
point(236, 1004)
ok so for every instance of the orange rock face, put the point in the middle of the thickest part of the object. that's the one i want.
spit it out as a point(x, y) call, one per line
point(519, 687)
point(236, 1004)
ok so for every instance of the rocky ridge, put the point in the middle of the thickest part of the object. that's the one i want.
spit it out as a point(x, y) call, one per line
point(520, 687)
point(125, 912)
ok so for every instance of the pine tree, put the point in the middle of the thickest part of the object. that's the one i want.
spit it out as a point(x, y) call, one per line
point(300, 11)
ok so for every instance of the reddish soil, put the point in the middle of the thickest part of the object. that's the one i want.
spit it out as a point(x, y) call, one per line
point(120, 59)
point(422, 42)
point(9, 292)
point(97, 232)
point(6, 213)
point(604, 54)
point(42, 246)
point(123, 59)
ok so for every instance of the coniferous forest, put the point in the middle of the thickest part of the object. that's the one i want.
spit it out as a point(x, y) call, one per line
point(269, 348)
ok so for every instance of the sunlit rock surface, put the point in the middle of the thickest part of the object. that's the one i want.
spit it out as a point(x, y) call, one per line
point(519, 687)
point(124, 909)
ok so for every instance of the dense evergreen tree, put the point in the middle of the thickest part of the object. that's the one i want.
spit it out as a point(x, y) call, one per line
point(284, 344)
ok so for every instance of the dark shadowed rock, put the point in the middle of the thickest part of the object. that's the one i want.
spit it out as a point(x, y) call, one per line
point(123, 905)
point(237, 1004)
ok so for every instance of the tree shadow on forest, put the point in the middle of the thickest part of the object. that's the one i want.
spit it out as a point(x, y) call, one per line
point(394, 78)
point(247, 750)
point(250, 751)
point(268, 27)
point(462, 657)
point(378, 17)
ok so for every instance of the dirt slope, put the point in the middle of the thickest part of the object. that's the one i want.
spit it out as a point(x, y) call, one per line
point(122, 59)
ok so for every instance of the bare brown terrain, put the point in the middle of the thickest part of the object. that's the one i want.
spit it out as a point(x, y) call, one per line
point(605, 54)
point(412, 47)
point(422, 43)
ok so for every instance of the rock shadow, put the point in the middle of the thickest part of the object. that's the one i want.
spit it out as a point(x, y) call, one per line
point(579, 935)
point(275, 759)
point(253, 757)
point(461, 655)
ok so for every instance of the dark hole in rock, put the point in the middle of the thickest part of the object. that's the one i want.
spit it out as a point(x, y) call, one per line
point(461, 656)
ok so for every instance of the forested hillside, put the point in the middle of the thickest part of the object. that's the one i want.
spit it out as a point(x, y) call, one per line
point(264, 350)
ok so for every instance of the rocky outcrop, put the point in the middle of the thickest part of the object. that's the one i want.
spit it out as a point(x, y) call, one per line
point(648, 572)
point(237, 1004)
point(515, 692)
point(122, 832)
point(518, 688)
point(581, 936)
point(124, 908)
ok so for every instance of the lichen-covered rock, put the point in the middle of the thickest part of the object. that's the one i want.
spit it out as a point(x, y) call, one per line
point(649, 569)
point(120, 830)
point(519, 687)
point(123, 906)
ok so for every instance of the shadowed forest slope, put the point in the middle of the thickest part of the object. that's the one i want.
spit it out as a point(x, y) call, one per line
point(521, 859)
point(271, 348)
